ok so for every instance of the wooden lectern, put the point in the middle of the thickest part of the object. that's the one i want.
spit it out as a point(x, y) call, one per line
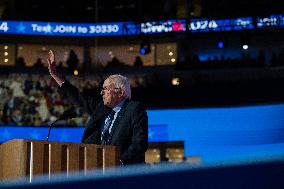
point(28, 158)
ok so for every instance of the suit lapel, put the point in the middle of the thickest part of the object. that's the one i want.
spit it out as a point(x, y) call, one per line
point(94, 124)
point(116, 124)
point(101, 112)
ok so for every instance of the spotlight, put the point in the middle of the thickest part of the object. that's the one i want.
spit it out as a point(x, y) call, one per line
point(245, 47)
point(175, 81)
point(76, 72)
point(142, 51)
point(145, 49)
point(245, 41)
point(220, 44)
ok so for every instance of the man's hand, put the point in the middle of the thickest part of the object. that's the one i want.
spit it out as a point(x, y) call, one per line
point(52, 68)
point(51, 64)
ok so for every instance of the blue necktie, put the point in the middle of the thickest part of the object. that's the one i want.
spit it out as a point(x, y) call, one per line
point(105, 130)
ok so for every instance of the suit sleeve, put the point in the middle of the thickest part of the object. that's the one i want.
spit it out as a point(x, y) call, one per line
point(139, 142)
point(74, 96)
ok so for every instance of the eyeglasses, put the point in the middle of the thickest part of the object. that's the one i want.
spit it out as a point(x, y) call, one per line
point(103, 89)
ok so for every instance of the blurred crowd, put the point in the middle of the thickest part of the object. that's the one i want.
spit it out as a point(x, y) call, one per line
point(34, 100)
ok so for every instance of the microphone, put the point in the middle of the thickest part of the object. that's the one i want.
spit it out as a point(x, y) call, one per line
point(68, 114)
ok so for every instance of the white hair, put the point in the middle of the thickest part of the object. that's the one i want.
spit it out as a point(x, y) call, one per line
point(122, 83)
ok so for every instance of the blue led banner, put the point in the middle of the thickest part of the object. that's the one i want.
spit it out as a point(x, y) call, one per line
point(206, 25)
point(242, 23)
point(281, 20)
point(67, 29)
point(163, 26)
point(132, 28)
point(156, 133)
point(270, 21)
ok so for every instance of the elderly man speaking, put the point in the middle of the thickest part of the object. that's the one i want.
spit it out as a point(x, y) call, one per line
point(116, 120)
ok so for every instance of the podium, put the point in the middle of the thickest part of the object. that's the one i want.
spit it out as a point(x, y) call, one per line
point(28, 158)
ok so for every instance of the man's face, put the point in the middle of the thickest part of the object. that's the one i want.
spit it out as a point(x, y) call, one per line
point(111, 95)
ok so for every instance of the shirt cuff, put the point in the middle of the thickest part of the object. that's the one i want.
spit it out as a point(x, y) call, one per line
point(61, 84)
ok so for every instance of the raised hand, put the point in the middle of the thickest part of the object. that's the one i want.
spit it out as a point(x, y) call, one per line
point(51, 56)
point(52, 68)
point(51, 63)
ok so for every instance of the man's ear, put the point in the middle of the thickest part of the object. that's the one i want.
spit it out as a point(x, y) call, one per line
point(121, 93)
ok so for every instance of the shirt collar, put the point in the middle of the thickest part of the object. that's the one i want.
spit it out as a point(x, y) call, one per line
point(119, 105)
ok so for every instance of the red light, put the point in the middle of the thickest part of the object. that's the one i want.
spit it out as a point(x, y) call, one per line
point(177, 26)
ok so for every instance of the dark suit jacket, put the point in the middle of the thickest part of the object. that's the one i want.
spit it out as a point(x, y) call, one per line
point(130, 129)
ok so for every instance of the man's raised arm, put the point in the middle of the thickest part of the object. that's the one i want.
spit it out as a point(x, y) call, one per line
point(52, 68)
